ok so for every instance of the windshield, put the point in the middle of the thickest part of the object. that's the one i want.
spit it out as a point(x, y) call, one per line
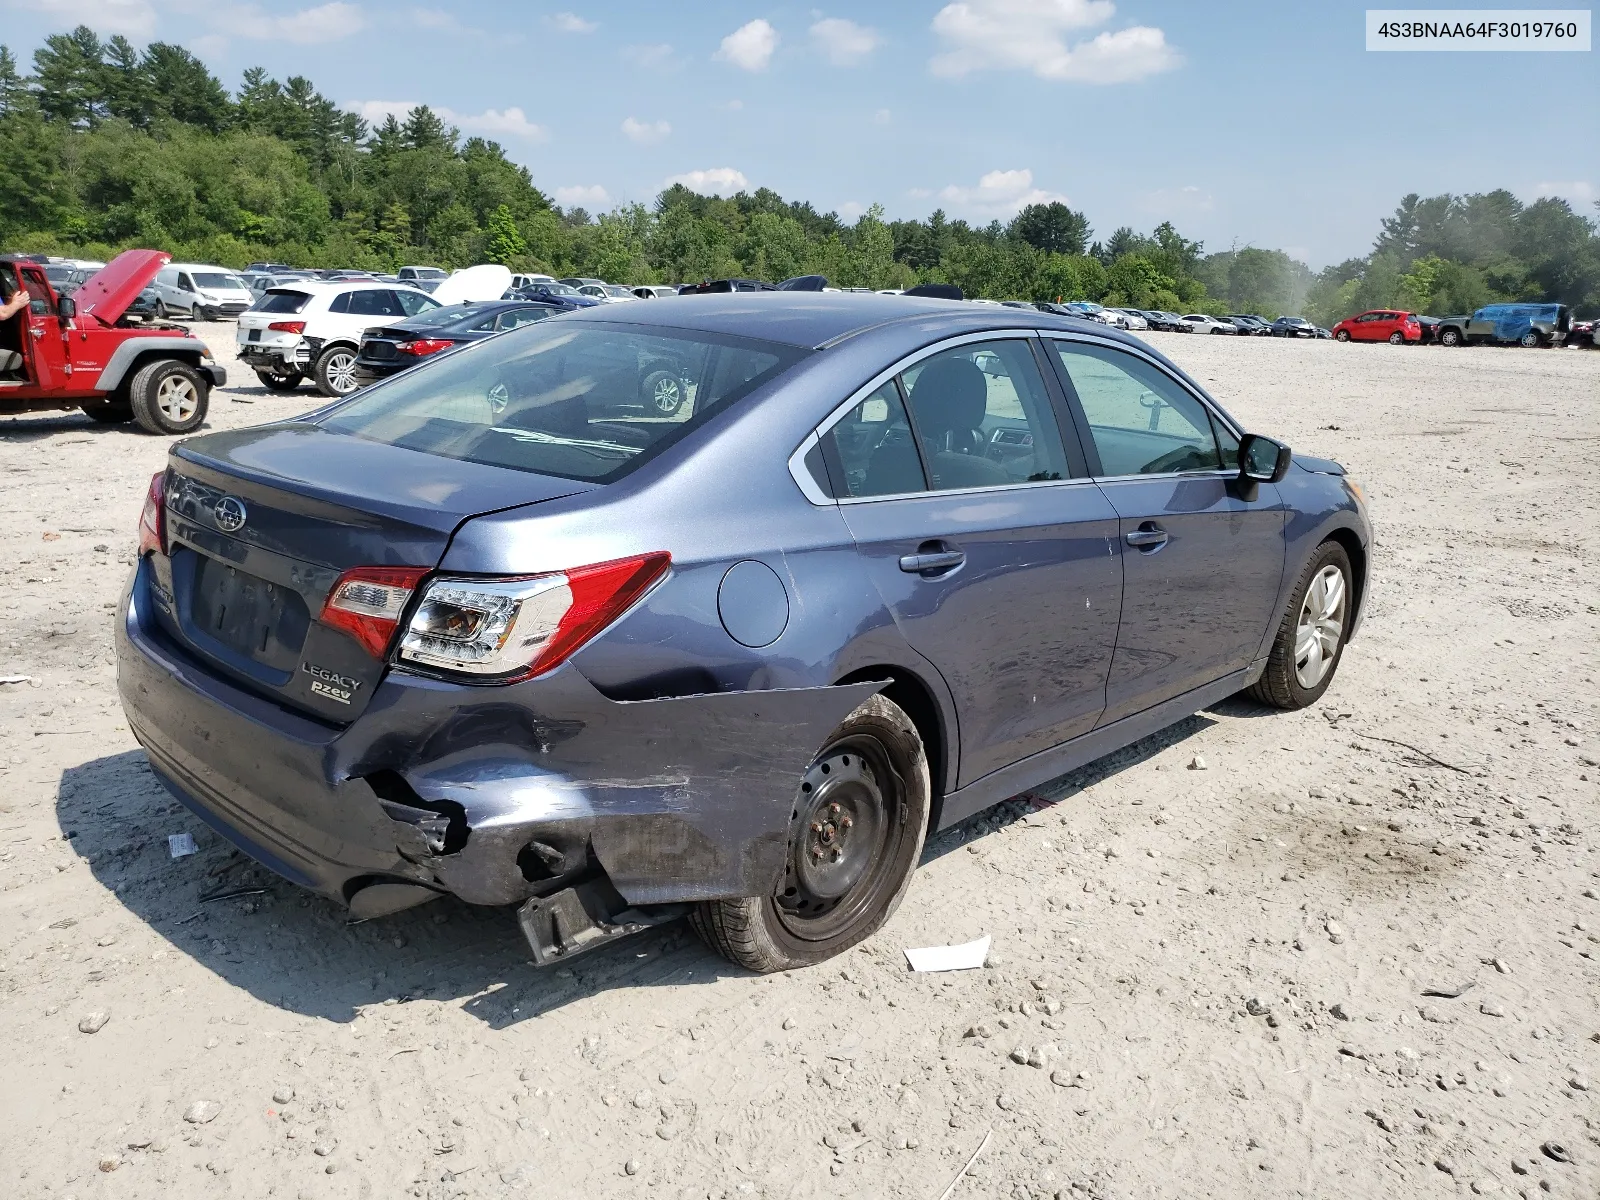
point(557, 289)
point(577, 401)
point(218, 279)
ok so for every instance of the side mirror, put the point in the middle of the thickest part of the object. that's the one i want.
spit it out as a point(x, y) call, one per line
point(66, 308)
point(1262, 459)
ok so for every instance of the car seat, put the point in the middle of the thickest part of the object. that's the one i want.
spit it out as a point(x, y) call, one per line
point(948, 403)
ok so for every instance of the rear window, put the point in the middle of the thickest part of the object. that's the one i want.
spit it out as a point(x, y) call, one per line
point(280, 301)
point(579, 401)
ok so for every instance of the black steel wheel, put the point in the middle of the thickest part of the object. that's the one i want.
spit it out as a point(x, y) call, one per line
point(855, 834)
point(280, 381)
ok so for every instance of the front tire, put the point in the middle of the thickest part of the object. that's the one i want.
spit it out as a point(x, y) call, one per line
point(280, 381)
point(1305, 654)
point(1343, 335)
point(1450, 337)
point(169, 397)
point(855, 835)
point(336, 371)
point(111, 413)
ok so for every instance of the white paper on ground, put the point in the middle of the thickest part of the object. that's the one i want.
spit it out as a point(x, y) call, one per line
point(181, 844)
point(950, 958)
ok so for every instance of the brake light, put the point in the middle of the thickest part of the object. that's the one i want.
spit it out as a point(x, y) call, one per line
point(287, 327)
point(153, 520)
point(422, 346)
point(366, 602)
point(506, 630)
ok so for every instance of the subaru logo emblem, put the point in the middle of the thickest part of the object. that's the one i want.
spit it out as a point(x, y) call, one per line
point(229, 514)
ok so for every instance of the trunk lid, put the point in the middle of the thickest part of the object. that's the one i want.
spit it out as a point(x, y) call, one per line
point(106, 294)
point(261, 523)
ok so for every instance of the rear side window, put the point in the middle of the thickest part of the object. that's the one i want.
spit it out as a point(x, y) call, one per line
point(275, 301)
point(870, 451)
point(374, 302)
point(564, 399)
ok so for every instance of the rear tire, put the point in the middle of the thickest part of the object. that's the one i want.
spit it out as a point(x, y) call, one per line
point(855, 835)
point(1397, 339)
point(169, 397)
point(280, 381)
point(1531, 340)
point(1287, 682)
point(336, 371)
point(663, 393)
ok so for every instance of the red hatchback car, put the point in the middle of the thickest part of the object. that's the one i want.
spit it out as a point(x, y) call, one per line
point(1380, 325)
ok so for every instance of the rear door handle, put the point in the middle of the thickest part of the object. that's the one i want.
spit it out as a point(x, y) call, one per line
point(1147, 537)
point(940, 560)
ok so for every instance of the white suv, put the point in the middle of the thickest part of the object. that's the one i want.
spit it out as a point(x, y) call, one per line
point(313, 328)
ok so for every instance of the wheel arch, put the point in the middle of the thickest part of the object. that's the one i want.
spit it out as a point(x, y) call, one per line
point(128, 359)
point(918, 702)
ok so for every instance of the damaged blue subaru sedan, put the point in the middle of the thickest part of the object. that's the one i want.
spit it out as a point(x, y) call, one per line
point(504, 628)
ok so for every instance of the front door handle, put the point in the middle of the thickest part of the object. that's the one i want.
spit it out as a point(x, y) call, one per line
point(938, 560)
point(1147, 537)
point(36, 331)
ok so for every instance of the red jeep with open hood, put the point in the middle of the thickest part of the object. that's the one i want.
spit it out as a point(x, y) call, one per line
point(79, 351)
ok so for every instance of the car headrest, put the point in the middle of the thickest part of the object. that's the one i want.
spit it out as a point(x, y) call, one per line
point(950, 395)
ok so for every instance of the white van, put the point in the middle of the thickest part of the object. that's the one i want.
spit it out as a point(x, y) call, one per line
point(198, 290)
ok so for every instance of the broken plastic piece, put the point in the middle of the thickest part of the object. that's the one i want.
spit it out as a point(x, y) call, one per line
point(181, 845)
point(966, 957)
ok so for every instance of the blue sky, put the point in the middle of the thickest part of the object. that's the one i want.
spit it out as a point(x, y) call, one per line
point(1266, 124)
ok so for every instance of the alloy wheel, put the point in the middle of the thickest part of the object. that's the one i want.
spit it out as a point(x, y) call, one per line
point(341, 372)
point(177, 398)
point(1320, 626)
point(667, 395)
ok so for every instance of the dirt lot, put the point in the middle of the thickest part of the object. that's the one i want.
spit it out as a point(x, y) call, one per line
point(1242, 980)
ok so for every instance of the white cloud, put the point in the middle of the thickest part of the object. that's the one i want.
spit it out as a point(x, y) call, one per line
point(717, 181)
point(851, 209)
point(750, 46)
point(882, 117)
point(1032, 35)
point(844, 43)
point(511, 122)
point(309, 26)
point(646, 133)
point(919, 193)
point(1579, 192)
point(132, 18)
point(998, 194)
point(1178, 201)
point(650, 57)
point(565, 22)
point(445, 22)
point(734, 105)
point(592, 197)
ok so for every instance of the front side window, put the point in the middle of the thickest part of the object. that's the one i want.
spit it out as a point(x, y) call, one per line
point(522, 316)
point(1142, 421)
point(561, 399)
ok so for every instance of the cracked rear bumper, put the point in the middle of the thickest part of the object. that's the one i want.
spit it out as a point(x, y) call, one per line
point(505, 792)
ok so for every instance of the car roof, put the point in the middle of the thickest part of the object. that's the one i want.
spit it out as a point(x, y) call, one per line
point(821, 319)
point(198, 266)
point(315, 286)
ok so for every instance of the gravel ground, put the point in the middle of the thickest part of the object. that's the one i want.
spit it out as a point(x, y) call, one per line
point(1243, 980)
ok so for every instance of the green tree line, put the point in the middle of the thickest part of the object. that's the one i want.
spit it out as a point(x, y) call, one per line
point(105, 146)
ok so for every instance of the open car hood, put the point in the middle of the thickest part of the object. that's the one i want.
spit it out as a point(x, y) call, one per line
point(106, 294)
point(486, 282)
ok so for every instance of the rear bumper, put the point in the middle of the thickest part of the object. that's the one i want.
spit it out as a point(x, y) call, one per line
point(492, 794)
point(284, 359)
point(371, 370)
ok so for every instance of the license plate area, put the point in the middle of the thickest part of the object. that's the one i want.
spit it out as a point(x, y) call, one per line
point(253, 336)
point(253, 617)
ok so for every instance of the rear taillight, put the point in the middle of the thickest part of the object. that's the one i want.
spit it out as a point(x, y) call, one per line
point(367, 602)
point(287, 327)
point(153, 520)
point(422, 346)
point(504, 630)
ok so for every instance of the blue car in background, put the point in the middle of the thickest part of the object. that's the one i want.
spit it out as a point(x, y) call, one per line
point(1528, 325)
point(490, 628)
